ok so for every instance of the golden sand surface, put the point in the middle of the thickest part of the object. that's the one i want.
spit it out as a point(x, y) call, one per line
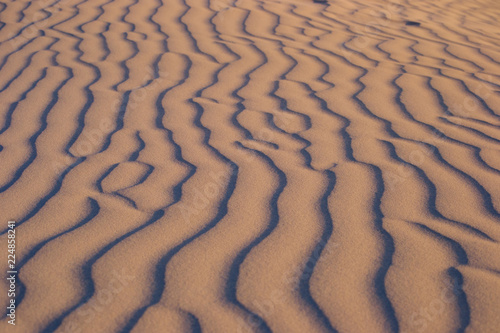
point(251, 165)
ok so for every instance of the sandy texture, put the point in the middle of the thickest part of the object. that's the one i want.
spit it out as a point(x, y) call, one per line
point(251, 166)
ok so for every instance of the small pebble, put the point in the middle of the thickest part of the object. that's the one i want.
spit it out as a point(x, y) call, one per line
point(417, 24)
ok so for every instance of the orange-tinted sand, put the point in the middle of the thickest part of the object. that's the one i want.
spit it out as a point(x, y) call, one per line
point(251, 166)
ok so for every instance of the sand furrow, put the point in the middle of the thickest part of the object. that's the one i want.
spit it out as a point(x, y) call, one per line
point(250, 165)
point(163, 261)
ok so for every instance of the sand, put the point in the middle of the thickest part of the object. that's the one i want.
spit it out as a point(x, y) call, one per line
point(251, 166)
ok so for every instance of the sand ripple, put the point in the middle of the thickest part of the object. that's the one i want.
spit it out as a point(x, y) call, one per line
point(252, 166)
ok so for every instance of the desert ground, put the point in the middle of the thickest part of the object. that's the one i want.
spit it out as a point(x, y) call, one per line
point(250, 166)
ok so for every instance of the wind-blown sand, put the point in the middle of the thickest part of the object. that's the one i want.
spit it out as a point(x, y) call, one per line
point(251, 166)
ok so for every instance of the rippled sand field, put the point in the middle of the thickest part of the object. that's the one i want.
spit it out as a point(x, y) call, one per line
point(251, 166)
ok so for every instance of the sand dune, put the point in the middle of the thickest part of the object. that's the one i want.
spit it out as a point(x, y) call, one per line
point(251, 166)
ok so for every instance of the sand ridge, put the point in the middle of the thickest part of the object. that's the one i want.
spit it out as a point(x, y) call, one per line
point(251, 166)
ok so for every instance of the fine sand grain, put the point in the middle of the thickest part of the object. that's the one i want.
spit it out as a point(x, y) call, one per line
point(251, 166)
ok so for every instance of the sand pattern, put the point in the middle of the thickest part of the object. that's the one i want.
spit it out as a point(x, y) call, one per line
point(252, 166)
